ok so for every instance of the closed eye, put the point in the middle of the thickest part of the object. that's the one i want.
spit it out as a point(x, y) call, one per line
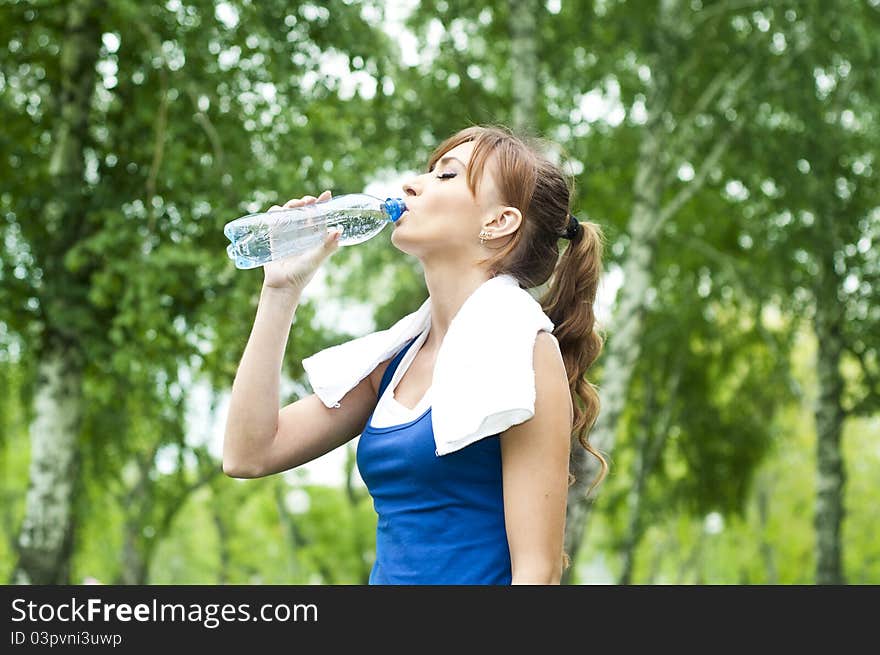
point(446, 176)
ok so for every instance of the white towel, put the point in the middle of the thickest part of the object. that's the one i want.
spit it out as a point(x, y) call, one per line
point(484, 377)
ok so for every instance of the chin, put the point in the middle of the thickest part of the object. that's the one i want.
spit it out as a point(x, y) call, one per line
point(395, 241)
point(405, 244)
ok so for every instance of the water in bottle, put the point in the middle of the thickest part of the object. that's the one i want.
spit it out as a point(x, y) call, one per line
point(267, 236)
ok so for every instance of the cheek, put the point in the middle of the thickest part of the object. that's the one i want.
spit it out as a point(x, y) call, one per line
point(459, 206)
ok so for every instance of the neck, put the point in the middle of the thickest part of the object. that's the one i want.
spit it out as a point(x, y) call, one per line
point(449, 287)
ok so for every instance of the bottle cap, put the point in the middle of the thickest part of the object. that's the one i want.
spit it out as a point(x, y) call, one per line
point(394, 207)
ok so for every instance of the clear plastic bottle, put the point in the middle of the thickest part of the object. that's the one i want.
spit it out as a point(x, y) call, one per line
point(267, 236)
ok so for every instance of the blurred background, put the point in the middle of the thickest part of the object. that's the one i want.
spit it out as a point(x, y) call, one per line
point(727, 149)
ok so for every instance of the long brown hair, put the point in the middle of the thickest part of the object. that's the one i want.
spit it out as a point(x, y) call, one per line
point(528, 180)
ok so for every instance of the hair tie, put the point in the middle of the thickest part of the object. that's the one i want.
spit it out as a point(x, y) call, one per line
point(574, 228)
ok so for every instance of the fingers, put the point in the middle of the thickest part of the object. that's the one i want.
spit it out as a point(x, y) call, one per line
point(331, 240)
point(317, 256)
point(308, 200)
point(297, 202)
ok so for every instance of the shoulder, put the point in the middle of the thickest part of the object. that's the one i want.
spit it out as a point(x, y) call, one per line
point(551, 380)
point(548, 356)
point(552, 420)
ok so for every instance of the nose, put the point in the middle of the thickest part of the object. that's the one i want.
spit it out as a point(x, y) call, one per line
point(409, 188)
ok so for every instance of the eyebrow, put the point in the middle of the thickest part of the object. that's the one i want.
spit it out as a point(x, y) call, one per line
point(446, 159)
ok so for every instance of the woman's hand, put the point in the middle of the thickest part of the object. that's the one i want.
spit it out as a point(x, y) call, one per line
point(293, 273)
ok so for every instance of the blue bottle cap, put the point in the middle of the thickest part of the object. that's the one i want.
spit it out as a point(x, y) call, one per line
point(394, 207)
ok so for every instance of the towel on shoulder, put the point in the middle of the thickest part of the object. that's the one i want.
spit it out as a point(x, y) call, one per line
point(484, 377)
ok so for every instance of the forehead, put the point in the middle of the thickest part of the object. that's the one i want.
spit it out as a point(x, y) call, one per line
point(462, 151)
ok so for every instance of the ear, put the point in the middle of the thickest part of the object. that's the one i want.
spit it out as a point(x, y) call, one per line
point(506, 221)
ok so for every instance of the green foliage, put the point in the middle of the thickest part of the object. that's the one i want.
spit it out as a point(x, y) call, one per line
point(114, 253)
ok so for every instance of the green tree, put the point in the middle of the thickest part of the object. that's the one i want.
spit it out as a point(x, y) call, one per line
point(819, 212)
point(134, 133)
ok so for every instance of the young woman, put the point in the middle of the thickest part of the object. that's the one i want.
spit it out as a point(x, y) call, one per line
point(489, 204)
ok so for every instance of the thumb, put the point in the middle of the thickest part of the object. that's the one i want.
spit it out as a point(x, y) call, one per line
point(328, 247)
point(331, 242)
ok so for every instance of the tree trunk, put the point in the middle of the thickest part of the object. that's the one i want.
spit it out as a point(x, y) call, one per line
point(151, 514)
point(641, 469)
point(134, 500)
point(223, 539)
point(647, 219)
point(655, 434)
point(45, 540)
point(289, 528)
point(134, 563)
point(524, 46)
point(44, 543)
point(693, 562)
point(355, 497)
point(831, 475)
point(622, 348)
point(634, 520)
point(656, 566)
point(764, 490)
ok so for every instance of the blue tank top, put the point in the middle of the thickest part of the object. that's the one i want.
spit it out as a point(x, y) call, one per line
point(441, 518)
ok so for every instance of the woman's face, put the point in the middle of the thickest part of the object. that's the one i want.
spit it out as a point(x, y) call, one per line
point(443, 220)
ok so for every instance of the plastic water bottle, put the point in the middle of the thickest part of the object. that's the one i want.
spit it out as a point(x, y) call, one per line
point(267, 236)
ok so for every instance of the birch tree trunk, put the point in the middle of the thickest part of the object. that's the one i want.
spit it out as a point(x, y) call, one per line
point(44, 542)
point(524, 46)
point(524, 78)
point(623, 345)
point(641, 466)
point(223, 542)
point(296, 539)
point(45, 539)
point(764, 489)
point(655, 434)
point(649, 215)
point(831, 475)
point(152, 512)
point(634, 510)
point(355, 496)
point(293, 539)
point(134, 564)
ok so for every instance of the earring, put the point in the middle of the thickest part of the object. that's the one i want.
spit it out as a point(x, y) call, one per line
point(483, 236)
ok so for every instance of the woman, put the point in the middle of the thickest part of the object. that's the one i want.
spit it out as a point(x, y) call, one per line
point(489, 205)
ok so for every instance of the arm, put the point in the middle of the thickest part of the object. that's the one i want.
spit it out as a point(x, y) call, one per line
point(535, 461)
point(252, 420)
point(261, 440)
